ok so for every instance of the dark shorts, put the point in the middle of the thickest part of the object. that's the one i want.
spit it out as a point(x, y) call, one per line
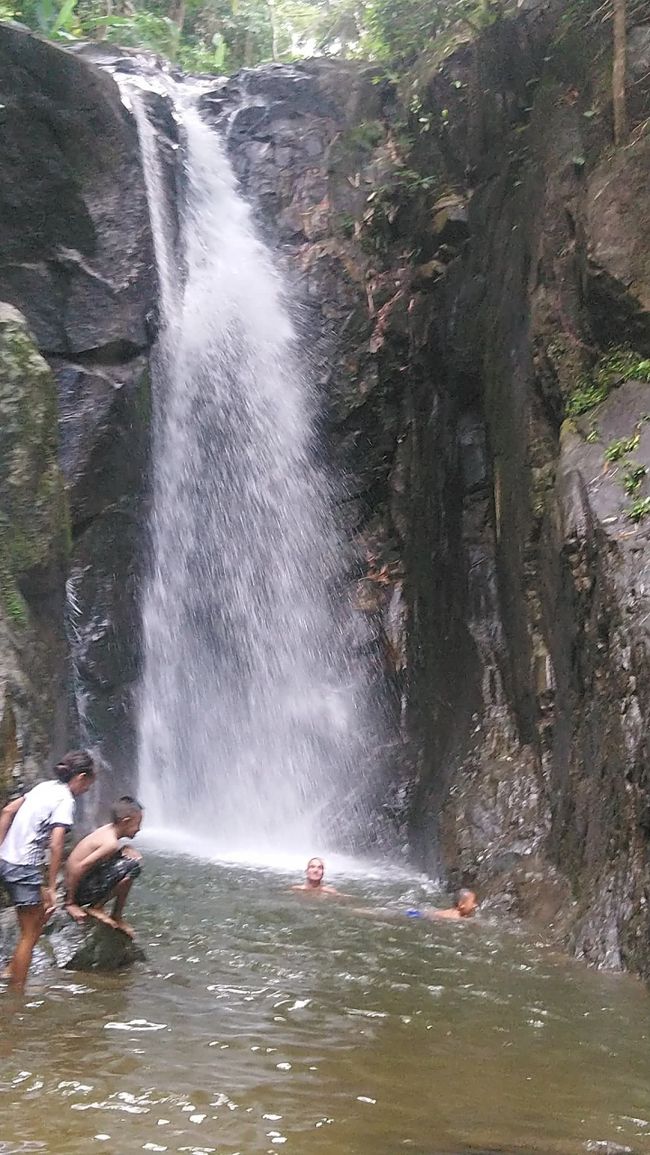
point(100, 882)
point(23, 883)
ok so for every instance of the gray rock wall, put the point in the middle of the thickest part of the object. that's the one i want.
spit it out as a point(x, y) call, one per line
point(468, 249)
point(76, 258)
point(34, 544)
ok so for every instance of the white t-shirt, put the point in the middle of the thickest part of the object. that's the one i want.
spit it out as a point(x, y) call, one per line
point(48, 804)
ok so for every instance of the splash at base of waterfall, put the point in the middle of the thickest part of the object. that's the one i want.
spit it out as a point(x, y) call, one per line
point(177, 841)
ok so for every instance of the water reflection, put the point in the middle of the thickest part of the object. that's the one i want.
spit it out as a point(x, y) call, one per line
point(262, 1022)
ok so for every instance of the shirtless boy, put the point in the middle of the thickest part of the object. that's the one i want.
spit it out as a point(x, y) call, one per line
point(100, 869)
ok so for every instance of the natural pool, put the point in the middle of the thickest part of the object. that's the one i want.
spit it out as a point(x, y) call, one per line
point(262, 1022)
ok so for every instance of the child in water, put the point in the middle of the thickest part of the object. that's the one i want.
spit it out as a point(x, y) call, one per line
point(100, 869)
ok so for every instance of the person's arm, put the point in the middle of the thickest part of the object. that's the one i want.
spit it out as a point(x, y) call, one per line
point(8, 814)
point(57, 843)
point(130, 852)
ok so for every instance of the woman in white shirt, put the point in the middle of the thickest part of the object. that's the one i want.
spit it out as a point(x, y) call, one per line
point(29, 826)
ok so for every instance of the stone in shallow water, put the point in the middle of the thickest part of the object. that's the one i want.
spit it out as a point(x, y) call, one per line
point(74, 947)
point(90, 947)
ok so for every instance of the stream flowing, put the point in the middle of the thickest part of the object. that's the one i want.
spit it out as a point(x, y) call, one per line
point(263, 1020)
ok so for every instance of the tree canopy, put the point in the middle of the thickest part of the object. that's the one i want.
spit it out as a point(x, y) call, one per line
point(223, 35)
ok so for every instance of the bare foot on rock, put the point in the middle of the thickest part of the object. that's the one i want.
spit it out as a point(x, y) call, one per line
point(100, 915)
point(124, 927)
point(76, 912)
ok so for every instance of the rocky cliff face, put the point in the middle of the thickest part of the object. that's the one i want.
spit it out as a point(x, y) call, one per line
point(33, 556)
point(472, 261)
point(76, 260)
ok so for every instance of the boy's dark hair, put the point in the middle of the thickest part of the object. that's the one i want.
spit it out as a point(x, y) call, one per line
point(73, 763)
point(126, 807)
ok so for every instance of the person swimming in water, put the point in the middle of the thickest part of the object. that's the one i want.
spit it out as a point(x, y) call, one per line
point(313, 883)
point(465, 905)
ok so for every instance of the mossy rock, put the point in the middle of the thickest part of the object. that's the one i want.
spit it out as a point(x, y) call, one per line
point(34, 543)
point(33, 516)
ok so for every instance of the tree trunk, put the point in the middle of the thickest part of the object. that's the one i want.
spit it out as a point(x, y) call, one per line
point(274, 31)
point(103, 28)
point(179, 16)
point(619, 71)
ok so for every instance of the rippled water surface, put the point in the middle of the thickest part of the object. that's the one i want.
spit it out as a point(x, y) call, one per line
point(263, 1020)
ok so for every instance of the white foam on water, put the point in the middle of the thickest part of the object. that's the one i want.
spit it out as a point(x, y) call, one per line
point(178, 842)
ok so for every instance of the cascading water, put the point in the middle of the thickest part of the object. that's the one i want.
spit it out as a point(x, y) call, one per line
point(253, 720)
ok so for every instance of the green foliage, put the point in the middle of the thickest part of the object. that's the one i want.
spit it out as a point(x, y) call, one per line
point(347, 224)
point(621, 365)
point(633, 478)
point(619, 448)
point(593, 436)
point(585, 397)
point(139, 30)
point(13, 602)
point(401, 29)
point(383, 205)
point(367, 135)
point(224, 35)
point(638, 509)
point(613, 369)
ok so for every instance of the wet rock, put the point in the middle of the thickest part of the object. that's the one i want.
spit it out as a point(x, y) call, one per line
point(90, 946)
point(104, 587)
point(33, 554)
point(70, 946)
point(103, 427)
point(82, 221)
point(104, 417)
point(76, 255)
point(618, 215)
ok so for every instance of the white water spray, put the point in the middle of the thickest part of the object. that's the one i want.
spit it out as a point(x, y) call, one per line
point(253, 721)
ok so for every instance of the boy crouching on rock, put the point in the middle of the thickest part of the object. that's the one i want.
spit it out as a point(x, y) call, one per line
point(99, 869)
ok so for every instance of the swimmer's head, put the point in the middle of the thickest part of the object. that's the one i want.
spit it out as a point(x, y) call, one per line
point(126, 815)
point(466, 903)
point(315, 871)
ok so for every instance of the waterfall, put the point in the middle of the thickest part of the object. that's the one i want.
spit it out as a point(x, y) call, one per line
point(253, 715)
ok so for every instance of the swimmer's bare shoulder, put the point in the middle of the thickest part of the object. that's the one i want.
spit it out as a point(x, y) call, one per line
point(319, 892)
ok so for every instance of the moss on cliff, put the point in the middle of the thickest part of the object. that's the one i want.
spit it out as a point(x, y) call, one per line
point(34, 542)
point(33, 519)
